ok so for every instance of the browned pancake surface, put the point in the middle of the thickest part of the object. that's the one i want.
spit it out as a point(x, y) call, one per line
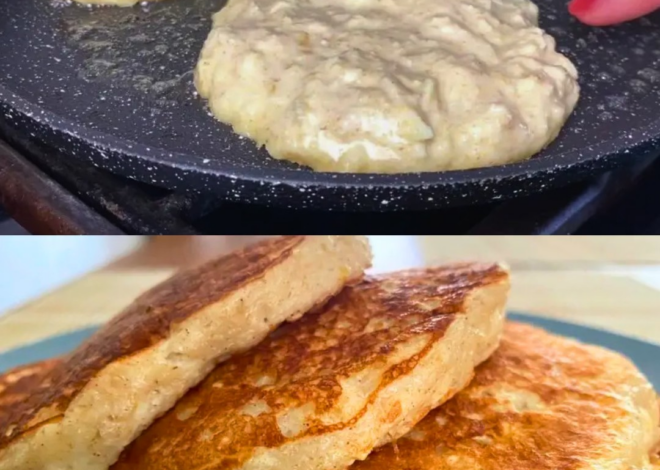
point(655, 453)
point(540, 402)
point(220, 423)
point(19, 383)
point(144, 323)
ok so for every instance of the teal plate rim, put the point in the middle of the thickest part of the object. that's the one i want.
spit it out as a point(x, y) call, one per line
point(644, 354)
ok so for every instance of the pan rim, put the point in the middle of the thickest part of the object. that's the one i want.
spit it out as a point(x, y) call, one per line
point(102, 142)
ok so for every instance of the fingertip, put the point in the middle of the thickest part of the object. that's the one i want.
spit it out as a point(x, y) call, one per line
point(587, 12)
point(580, 7)
point(610, 12)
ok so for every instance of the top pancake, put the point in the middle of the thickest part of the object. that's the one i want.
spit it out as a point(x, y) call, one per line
point(323, 391)
point(16, 385)
point(134, 368)
point(541, 402)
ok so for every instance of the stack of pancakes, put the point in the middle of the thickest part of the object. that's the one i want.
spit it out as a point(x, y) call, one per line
point(285, 356)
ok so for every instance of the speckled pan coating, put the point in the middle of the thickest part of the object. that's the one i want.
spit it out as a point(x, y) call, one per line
point(114, 85)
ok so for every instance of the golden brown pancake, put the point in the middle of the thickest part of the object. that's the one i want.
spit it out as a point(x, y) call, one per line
point(655, 453)
point(17, 384)
point(541, 402)
point(107, 391)
point(323, 391)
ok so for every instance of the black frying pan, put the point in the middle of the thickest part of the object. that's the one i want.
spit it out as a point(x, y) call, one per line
point(114, 85)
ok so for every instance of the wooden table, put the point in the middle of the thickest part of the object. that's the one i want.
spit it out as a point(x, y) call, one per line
point(586, 292)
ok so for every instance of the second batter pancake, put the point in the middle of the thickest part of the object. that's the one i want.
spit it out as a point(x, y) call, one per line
point(387, 86)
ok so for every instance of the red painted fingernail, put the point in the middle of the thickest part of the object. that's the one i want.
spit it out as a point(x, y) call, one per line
point(578, 7)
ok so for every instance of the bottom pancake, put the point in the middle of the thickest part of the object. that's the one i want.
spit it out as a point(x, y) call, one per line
point(541, 402)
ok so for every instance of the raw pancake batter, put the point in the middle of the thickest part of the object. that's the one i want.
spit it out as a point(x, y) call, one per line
point(388, 85)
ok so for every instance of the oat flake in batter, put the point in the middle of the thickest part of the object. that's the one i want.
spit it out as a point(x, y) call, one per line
point(388, 85)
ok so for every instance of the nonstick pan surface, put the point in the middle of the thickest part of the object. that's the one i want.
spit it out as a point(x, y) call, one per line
point(114, 85)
